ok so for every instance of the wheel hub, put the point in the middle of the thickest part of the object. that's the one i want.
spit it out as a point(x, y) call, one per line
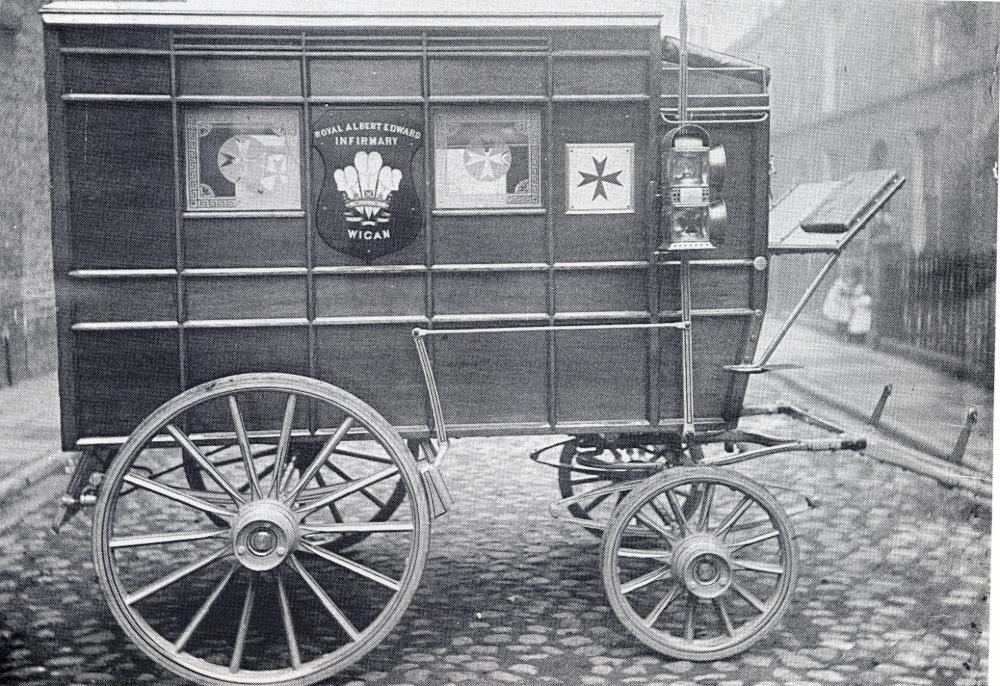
point(264, 534)
point(701, 562)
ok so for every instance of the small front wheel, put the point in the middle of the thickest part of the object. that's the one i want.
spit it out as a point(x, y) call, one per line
point(702, 585)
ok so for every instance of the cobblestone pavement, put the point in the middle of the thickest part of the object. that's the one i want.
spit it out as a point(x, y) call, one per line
point(892, 590)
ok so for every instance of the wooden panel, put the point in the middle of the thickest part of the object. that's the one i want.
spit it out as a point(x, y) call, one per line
point(121, 377)
point(250, 242)
point(110, 300)
point(231, 76)
point(711, 287)
point(489, 239)
point(369, 294)
point(356, 77)
point(608, 38)
point(591, 237)
point(117, 74)
point(718, 341)
point(492, 377)
point(245, 297)
point(115, 37)
point(491, 292)
point(493, 76)
point(671, 394)
point(215, 353)
point(600, 76)
point(121, 185)
point(601, 375)
point(594, 290)
point(379, 365)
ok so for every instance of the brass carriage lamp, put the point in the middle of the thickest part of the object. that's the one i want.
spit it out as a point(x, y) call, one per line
point(693, 172)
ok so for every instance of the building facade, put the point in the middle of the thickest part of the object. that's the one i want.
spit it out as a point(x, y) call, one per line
point(27, 315)
point(910, 86)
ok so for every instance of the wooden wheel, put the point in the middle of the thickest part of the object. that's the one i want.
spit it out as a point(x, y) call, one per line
point(257, 598)
point(707, 585)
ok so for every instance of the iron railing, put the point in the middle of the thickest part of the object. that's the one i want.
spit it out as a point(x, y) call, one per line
point(939, 302)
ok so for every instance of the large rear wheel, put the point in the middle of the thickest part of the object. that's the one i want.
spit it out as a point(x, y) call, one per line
point(253, 593)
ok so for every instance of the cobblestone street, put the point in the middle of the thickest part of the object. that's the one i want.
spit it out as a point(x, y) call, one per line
point(892, 590)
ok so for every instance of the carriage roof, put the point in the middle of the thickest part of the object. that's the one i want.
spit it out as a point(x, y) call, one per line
point(350, 13)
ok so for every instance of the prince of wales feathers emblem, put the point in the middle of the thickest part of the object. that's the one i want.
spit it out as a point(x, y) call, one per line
point(367, 186)
point(367, 203)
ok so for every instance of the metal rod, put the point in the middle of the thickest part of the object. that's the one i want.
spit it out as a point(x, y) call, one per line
point(489, 212)
point(963, 438)
point(880, 406)
point(432, 391)
point(687, 348)
point(682, 95)
point(627, 97)
point(803, 301)
point(420, 333)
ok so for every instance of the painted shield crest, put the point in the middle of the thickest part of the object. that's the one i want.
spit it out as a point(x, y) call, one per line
point(368, 204)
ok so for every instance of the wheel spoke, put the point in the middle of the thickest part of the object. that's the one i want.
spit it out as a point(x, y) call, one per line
point(283, 440)
point(348, 478)
point(660, 511)
point(199, 616)
point(177, 495)
point(645, 554)
point(751, 541)
point(163, 539)
point(672, 538)
point(595, 502)
point(206, 464)
point(353, 566)
point(321, 458)
point(748, 596)
point(678, 513)
point(241, 437)
point(337, 517)
point(363, 456)
point(588, 480)
point(646, 579)
point(661, 606)
point(357, 527)
point(706, 507)
point(347, 490)
point(727, 622)
point(755, 566)
point(286, 619)
point(241, 632)
point(734, 515)
point(330, 606)
point(692, 602)
point(175, 576)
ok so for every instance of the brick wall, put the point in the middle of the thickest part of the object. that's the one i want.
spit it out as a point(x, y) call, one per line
point(27, 318)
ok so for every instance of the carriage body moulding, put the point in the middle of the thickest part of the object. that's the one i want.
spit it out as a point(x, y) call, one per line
point(297, 191)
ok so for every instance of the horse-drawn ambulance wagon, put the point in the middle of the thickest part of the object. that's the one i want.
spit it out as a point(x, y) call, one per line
point(300, 248)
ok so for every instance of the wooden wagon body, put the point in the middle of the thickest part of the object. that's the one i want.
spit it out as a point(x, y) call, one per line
point(161, 287)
